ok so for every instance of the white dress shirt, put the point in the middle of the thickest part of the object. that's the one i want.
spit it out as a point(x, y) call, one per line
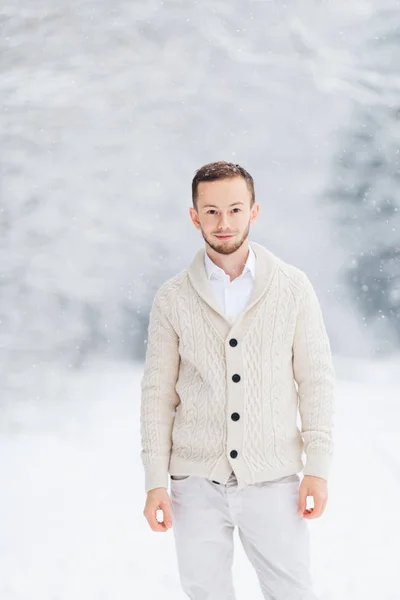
point(232, 296)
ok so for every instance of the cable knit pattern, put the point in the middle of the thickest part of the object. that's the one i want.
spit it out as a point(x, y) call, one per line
point(285, 366)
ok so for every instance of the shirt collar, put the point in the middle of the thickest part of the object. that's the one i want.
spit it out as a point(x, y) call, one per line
point(213, 270)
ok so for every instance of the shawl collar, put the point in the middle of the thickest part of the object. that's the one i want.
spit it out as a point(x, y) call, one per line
point(266, 266)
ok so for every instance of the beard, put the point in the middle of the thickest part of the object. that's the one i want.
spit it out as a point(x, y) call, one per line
point(228, 247)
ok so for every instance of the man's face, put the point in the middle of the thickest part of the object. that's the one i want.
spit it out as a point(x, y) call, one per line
point(224, 214)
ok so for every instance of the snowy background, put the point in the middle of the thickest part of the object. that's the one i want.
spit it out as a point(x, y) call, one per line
point(107, 111)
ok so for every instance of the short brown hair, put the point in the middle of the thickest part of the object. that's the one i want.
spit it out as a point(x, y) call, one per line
point(221, 170)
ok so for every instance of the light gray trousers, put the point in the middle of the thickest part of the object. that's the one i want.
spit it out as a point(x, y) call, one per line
point(274, 537)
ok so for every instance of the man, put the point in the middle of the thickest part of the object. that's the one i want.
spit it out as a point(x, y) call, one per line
point(236, 347)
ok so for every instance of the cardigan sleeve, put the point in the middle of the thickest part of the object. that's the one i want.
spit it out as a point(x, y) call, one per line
point(158, 395)
point(314, 374)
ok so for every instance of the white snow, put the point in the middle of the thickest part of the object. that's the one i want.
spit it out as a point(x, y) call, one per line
point(72, 492)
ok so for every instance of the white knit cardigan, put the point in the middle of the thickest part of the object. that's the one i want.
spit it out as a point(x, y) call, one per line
point(219, 397)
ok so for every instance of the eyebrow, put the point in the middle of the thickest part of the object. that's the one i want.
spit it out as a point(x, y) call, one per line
point(213, 206)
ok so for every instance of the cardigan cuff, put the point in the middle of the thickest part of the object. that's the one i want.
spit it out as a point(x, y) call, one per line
point(318, 465)
point(155, 477)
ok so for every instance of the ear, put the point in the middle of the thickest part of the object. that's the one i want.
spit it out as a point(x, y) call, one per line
point(195, 217)
point(255, 209)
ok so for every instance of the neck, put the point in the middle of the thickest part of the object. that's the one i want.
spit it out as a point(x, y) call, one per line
point(233, 264)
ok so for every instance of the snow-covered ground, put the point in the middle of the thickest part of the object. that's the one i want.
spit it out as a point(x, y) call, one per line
point(72, 491)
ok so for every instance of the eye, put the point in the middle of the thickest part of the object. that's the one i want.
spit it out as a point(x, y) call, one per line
point(211, 211)
point(237, 209)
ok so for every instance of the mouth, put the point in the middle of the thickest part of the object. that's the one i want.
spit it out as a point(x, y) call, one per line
point(224, 237)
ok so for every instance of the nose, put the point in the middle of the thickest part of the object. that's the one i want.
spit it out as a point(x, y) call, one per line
point(223, 222)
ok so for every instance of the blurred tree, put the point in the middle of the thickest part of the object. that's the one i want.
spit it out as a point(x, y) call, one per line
point(365, 190)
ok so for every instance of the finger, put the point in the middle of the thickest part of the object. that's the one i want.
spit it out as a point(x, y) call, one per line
point(319, 502)
point(166, 508)
point(157, 525)
point(151, 516)
point(302, 501)
point(314, 513)
point(317, 507)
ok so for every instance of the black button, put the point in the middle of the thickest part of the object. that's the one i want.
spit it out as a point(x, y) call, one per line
point(236, 378)
point(234, 453)
point(233, 342)
point(235, 416)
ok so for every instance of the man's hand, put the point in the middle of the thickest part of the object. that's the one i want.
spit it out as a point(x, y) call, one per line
point(317, 488)
point(158, 499)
